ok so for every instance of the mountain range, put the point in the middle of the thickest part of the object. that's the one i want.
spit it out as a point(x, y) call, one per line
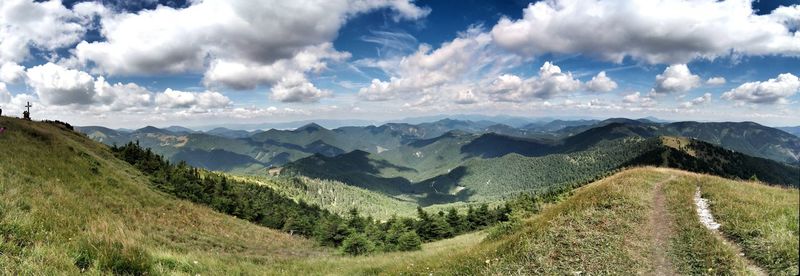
point(449, 160)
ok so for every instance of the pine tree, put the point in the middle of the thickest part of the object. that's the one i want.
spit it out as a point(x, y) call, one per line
point(357, 244)
point(409, 241)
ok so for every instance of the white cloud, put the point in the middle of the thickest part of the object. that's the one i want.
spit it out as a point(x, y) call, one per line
point(716, 81)
point(43, 25)
point(191, 100)
point(772, 91)
point(378, 91)
point(5, 96)
point(601, 83)
point(120, 96)
point(638, 100)
point(427, 70)
point(651, 31)
point(57, 85)
point(706, 98)
point(246, 75)
point(258, 32)
point(11, 72)
point(676, 78)
point(465, 97)
point(549, 83)
point(295, 88)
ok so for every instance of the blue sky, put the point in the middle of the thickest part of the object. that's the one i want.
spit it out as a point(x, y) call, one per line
point(130, 64)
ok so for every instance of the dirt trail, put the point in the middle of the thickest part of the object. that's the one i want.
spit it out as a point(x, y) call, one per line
point(662, 227)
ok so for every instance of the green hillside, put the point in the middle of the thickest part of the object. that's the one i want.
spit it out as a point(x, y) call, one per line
point(66, 201)
point(454, 176)
point(337, 197)
point(641, 221)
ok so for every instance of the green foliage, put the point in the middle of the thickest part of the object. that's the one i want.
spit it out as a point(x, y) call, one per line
point(409, 241)
point(357, 244)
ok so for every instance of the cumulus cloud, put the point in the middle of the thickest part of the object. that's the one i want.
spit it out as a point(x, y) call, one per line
point(716, 81)
point(601, 83)
point(427, 70)
point(772, 91)
point(651, 31)
point(120, 96)
point(676, 78)
point(706, 98)
point(637, 99)
point(465, 97)
point(5, 96)
point(296, 88)
point(247, 75)
point(177, 40)
point(549, 83)
point(11, 72)
point(57, 85)
point(43, 25)
point(194, 100)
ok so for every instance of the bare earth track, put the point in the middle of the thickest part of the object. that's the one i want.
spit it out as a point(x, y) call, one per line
point(661, 226)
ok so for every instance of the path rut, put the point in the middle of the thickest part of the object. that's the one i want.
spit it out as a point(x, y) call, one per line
point(661, 226)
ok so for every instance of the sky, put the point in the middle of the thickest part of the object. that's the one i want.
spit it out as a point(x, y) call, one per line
point(130, 64)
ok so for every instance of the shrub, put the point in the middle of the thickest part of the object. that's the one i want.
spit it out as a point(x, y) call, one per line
point(503, 228)
point(357, 244)
point(409, 241)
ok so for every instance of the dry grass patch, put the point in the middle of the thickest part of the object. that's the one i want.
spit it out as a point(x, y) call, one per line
point(762, 219)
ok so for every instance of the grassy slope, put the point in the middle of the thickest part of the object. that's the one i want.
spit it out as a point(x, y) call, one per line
point(60, 190)
point(763, 220)
point(337, 197)
point(602, 228)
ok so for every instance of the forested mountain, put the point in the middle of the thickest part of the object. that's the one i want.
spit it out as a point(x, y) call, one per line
point(745, 137)
point(425, 147)
point(484, 177)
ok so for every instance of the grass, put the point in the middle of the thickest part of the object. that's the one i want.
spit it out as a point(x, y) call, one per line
point(762, 219)
point(600, 229)
point(66, 202)
point(694, 249)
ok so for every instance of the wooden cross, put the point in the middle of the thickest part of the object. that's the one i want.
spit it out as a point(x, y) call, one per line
point(27, 114)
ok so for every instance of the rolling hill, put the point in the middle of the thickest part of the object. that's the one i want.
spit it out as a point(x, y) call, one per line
point(63, 194)
point(746, 137)
point(463, 177)
point(640, 221)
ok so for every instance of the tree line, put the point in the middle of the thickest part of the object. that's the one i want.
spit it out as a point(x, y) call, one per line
point(353, 233)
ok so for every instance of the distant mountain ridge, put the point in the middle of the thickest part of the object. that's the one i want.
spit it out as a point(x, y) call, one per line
point(215, 149)
point(472, 175)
